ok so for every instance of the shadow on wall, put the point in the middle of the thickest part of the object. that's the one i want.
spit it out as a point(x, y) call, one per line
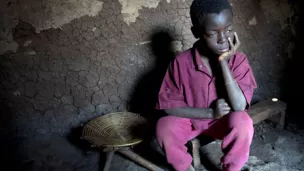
point(295, 85)
point(145, 93)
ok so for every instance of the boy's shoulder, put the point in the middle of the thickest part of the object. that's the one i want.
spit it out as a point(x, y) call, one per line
point(184, 57)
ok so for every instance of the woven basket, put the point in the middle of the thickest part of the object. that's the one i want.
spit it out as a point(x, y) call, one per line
point(115, 130)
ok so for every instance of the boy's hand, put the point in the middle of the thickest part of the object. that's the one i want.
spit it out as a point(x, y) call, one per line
point(233, 48)
point(221, 108)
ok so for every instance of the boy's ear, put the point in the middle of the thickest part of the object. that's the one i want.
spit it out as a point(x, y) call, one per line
point(195, 32)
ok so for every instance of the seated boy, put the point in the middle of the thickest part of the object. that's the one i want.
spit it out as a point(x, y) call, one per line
point(207, 90)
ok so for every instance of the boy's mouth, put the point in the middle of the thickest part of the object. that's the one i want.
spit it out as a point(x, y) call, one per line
point(223, 50)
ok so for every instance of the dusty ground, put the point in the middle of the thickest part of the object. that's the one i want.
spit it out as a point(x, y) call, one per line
point(272, 150)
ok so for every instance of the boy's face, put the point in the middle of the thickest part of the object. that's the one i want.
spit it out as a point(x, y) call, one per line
point(215, 31)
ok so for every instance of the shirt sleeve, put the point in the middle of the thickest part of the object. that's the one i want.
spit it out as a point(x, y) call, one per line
point(243, 75)
point(171, 91)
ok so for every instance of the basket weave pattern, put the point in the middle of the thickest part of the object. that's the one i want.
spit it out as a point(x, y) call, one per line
point(114, 129)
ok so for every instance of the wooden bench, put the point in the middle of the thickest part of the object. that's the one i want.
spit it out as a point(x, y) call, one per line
point(268, 109)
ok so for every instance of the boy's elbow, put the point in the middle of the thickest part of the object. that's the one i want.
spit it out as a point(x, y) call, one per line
point(239, 107)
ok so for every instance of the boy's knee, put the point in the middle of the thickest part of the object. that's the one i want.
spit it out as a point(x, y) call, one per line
point(165, 126)
point(242, 124)
point(171, 126)
point(240, 119)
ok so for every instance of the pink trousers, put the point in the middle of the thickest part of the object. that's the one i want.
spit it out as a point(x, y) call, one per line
point(235, 129)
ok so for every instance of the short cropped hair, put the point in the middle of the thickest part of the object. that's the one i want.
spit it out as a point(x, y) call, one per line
point(200, 8)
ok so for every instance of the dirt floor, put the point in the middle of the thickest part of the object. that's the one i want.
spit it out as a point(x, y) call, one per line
point(272, 150)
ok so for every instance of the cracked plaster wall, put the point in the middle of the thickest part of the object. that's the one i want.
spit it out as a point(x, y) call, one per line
point(74, 60)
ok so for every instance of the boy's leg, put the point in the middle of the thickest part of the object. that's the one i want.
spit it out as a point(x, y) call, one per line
point(236, 131)
point(172, 134)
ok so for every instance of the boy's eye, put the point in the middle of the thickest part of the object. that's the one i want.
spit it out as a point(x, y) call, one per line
point(212, 34)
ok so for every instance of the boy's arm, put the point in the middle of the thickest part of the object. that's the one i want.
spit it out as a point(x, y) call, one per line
point(239, 81)
point(235, 94)
point(188, 112)
point(220, 110)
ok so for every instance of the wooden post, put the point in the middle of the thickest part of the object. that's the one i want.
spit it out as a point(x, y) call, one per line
point(279, 119)
point(195, 143)
point(109, 160)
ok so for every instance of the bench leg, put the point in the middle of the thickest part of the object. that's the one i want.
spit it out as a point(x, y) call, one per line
point(279, 119)
point(195, 143)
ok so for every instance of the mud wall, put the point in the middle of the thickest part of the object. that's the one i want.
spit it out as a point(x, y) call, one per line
point(64, 63)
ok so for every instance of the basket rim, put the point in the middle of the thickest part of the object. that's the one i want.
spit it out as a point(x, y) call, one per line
point(128, 143)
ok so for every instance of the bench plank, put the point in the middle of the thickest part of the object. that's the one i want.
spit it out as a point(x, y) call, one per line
point(267, 109)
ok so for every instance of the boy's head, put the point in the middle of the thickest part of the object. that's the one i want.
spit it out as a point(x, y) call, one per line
point(212, 23)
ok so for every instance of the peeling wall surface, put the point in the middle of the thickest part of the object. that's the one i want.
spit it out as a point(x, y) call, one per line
point(62, 63)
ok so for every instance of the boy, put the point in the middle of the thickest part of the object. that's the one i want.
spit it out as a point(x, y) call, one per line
point(207, 90)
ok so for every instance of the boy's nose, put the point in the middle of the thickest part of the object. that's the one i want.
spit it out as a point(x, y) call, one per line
point(222, 38)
